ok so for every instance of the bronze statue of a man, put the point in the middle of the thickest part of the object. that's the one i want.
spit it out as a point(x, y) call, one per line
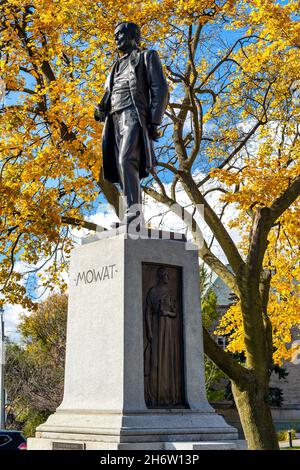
point(132, 108)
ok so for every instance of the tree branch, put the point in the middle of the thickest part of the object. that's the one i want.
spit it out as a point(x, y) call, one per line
point(204, 252)
point(225, 361)
point(264, 219)
point(225, 241)
point(283, 202)
point(81, 223)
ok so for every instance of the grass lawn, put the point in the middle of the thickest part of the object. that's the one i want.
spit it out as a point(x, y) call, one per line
point(290, 448)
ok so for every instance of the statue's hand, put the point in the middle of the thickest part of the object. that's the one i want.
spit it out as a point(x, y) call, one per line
point(96, 113)
point(154, 133)
point(99, 114)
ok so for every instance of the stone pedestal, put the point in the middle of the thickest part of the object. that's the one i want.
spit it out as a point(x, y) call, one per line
point(104, 405)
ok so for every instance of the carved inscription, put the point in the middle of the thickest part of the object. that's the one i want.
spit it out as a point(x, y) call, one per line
point(96, 275)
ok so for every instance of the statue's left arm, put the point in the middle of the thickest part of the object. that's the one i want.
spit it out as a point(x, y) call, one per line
point(159, 90)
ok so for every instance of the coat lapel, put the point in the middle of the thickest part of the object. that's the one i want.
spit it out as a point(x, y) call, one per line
point(134, 58)
point(110, 78)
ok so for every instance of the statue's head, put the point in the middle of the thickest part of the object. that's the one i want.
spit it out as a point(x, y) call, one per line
point(127, 36)
point(163, 275)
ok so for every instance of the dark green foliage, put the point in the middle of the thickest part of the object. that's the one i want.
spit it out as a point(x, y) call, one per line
point(275, 393)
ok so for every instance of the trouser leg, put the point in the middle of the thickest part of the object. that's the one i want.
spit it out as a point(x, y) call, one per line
point(128, 140)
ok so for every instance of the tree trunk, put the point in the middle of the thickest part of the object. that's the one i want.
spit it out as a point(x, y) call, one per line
point(250, 396)
point(255, 415)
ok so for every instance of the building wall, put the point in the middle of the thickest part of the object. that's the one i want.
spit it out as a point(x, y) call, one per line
point(290, 386)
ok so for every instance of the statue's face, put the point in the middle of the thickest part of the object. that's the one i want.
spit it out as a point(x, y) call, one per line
point(124, 38)
point(164, 277)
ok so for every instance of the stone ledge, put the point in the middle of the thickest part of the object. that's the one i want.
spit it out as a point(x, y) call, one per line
point(47, 444)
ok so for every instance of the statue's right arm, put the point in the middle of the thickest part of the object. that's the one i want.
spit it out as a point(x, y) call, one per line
point(102, 108)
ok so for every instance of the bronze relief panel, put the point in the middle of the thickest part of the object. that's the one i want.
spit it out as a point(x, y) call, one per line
point(163, 336)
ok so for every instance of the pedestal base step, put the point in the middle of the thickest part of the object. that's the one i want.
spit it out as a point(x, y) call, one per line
point(64, 444)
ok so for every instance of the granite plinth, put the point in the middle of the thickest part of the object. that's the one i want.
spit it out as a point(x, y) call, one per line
point(104, 402)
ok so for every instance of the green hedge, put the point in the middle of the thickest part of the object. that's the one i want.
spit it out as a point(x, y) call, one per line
point(283, 435)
